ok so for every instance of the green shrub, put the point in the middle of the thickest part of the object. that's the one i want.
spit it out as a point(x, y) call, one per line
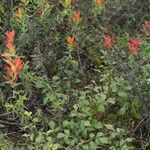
point(81, 79)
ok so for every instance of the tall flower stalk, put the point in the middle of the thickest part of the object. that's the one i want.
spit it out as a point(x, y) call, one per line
point(14, 64)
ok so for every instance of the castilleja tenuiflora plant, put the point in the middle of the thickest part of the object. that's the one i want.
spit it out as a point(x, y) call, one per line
point(13, 63)
point(133, 46)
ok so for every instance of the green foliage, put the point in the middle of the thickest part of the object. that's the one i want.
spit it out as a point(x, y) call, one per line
point(4, 143)
point(41, 140)
point(76, 94)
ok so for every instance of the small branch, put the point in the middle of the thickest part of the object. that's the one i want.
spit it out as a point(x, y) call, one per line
point(87, 141)
point(133, 130)
point(5, 114)
point(9, 123)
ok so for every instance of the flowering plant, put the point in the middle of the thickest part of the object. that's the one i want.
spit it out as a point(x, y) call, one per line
point(14, 63)
point(134, 46)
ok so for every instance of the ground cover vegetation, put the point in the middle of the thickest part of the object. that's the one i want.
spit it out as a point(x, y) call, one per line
point(75, 74)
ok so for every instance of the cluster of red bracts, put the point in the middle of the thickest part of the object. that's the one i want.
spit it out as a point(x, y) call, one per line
point(108, 42)
point(133, 45)
point(13, 68)
point(14, 64)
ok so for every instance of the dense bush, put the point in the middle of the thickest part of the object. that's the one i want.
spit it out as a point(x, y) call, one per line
point(75, 74)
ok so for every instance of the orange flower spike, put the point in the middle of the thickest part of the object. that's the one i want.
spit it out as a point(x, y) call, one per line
point(77, 17)
point(13, 69)
point(10, 35)
point(12, 66)
point(71, 40)
point(108, 41)
point(9, 41)
point(19, 13)
point(100, 2)
point(18, 63)
point(68, 2)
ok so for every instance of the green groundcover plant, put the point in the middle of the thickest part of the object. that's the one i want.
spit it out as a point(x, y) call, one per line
point(75, 74)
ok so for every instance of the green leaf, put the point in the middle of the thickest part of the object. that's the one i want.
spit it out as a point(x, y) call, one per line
point(73, 142)
point(86, 123)
point(123, 94)
point(122, 111)
point(104, 140)
point(52, 124)
point(32, 137)
point(109, 127)
point(92, 146)
point(85, 147)
point(113, 135)
point(1, 9)
point(40, 138)
point(66, 123)
point(129, 139)
point(67, 132)
point(75, 107)
point(25, 1)
point(101, 108)
point(55, 78)
point(60, 135)
point(98, 125)
point(92, 135)
point(100, 134)
point(111, 100)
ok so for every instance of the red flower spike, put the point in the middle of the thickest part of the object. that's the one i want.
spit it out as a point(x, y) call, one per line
point(10, 35)
point(10, 63)
point(71, 40)
point(135, 42)
point(133, 46)
point(100, 2)
point(14, 68)
point(108, 41)
point(14, 63)
point(18, 63)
